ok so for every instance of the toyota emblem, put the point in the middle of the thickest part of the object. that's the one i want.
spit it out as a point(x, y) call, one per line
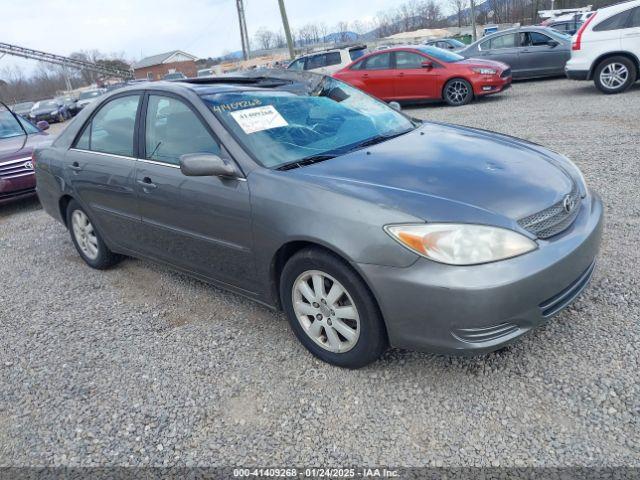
point(568, 203)
point(28, 165)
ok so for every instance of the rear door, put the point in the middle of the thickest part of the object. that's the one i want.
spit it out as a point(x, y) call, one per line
point(503, 48)
point(631, 35)
point(413, 80)
point(100, 168)
point(201, 224)
point(539, 58)
point(376, 75)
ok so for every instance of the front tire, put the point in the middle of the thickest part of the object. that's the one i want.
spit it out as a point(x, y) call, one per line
point(87, 239)
point(331, 310)
point(457, 92)
point(615, 75)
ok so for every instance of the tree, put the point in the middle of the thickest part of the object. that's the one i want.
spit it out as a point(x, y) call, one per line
point(265, 38)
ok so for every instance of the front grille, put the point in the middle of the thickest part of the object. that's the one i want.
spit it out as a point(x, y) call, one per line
point(506, 73)
point(566, 296)
point(553, 220)
point(16, 168)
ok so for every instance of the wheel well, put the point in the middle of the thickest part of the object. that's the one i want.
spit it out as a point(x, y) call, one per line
point(628, 55)
point(455, 78)
point(63, 204)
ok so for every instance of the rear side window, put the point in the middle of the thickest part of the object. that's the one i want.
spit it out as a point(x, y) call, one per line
point(332, 58)
point(111, 129)
point(381, 61)
point(618, 21)
point(408, 60)
point(504, 41)
point(317, 61)
point(173, 130)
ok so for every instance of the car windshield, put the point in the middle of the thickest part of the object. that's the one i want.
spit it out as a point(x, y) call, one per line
point(90, 94)
point(441, 54)
point(456, 43)
point(10, 126)
point(281, 128)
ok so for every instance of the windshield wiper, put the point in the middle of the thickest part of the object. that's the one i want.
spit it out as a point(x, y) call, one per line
point(377, 139)
point(306, 161)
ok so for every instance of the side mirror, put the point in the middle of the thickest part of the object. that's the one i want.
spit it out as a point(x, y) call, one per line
point(396, 106)
point(553, 43)
point(205, 165)
point(43, 125)
point(427, 64)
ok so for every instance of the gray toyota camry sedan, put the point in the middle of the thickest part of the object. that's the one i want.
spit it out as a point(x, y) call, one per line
point(368, 228)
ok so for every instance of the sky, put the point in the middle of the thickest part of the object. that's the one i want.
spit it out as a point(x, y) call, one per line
point(139, 28)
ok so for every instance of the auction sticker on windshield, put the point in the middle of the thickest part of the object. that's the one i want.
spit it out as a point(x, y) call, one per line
point(257, 119)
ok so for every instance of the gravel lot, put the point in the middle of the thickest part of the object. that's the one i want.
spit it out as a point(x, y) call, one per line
point(141, 365)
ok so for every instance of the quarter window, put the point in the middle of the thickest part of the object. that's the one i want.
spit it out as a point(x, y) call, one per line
point(111, 129)
point(616, 22)
point(381, 61)
point(408, 60)
point(173, 130)
point(503, 41)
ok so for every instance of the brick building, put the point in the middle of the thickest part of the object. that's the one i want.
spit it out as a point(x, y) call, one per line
point(157, 66)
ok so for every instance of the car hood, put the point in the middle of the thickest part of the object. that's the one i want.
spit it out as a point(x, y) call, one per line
point(16, 147)
point(479, 62)
point(427, 171)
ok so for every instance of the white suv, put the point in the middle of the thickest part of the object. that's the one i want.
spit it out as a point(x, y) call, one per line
point(607, 48)
point(329, 61)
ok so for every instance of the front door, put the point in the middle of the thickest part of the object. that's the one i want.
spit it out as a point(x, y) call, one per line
point(414, 80)
point(201, 224)
point(100, 168)
point(503, 48)
point(377, 76)
point(539, 57)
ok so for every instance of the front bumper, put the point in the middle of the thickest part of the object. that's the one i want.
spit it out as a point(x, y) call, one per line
point(447, 309)
point(16, 188)
point(491, 84)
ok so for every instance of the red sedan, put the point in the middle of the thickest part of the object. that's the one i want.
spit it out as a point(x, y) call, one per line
point(425, 72)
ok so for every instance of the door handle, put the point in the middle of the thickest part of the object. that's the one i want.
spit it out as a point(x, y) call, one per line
point(401, 74)
point(365, 75)
point(75, 166)
point(147, 183)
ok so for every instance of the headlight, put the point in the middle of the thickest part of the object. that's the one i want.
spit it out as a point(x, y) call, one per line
point(485, 71)
point(461, 244)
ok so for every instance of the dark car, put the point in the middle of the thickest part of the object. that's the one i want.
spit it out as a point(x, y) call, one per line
point(174, 76)
point(531, 52)
point(18, 138)
point(70, 103)
point(49, 110)
point(89, 96)
point(23, 109)
point(367, 227)
point(446, 44)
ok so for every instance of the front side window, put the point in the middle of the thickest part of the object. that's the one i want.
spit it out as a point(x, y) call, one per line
point(616, 22)
point(317, 61)
point(111, 130)
point(280, 127)
point(534, 39)
point(381, 61)
point(503, 41)
point(173, 130)
point(408, 60)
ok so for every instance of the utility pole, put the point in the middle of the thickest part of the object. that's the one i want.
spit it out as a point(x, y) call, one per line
point(244, 34)
point(473, 20)
point(287, 30)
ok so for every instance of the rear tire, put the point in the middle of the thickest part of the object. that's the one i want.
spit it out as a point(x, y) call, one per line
point(457, 92)
point(336, 318)
point(87, 239)
point(615, 75)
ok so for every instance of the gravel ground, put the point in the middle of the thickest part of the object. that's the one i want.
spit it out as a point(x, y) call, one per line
point(141, 365)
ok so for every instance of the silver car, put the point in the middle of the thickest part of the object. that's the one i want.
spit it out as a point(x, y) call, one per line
point(531, 52)
point(368, 228)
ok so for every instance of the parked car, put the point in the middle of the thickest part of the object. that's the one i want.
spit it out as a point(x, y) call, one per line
point(71, 104)
point(329, 61)
point(23, 109)
point(569, 27)
point(606, 49)
point(51, 111)
point(205, 72)
point(531, 52)
point(18, 138)
point(174, 76)
point(89, 96)
point(367, 227)
point(446, 44)
point(425, 72)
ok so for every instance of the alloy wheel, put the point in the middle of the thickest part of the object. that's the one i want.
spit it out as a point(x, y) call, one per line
point(457, 92)
point(614, 75)
point(326, 311)
point(84, 234)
